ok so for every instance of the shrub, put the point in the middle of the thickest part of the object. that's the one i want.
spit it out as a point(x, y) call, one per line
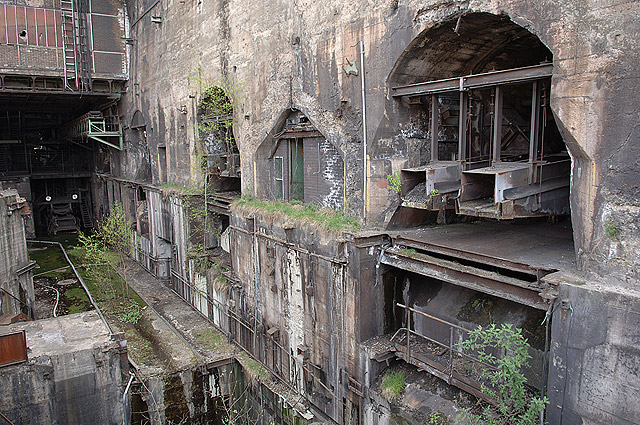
point(514, 404)
point(394, 181)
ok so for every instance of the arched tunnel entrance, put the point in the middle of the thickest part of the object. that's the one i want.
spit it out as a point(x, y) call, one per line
point(297, 163)
point(498, 174)
point(495, 149)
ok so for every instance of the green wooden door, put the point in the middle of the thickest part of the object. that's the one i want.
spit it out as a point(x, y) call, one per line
point(296, 162)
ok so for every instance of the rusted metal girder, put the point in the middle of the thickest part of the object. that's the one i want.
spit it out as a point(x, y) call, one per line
point(440, 371)
point(510, 76)
point(492, 283)
point(473, 256)
point(374, 239)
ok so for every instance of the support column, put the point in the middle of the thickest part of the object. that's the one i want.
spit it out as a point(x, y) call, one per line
point(462, 130)
point(434, 127)
point(533, 137)
point(497, 125)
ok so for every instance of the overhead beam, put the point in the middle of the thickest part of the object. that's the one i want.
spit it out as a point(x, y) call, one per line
point(522, 292)
point(509, 76)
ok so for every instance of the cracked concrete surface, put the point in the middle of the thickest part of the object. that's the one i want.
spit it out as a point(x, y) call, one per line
point(191, 331)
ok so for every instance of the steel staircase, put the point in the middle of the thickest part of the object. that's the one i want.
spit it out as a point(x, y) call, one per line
point(87, 223)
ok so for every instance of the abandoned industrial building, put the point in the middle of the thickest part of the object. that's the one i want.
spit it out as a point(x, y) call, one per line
point(232, 212)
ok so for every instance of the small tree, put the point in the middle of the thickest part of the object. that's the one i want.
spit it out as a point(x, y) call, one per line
point(117, 234)
point(113, 234)
point(514, 404)
point(94, 253)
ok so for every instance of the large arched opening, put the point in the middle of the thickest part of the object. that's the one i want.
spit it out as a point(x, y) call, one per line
point(498, 171)
point(495, 150)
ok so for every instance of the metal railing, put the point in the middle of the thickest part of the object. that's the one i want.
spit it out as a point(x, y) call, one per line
point(241, 330)
point(460, 369)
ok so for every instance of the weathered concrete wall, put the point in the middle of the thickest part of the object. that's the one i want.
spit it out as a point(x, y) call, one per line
point(302, 286)
point(291, 55)
point(15, 275)
point(285, 55)
point(73, 374)
point(210, 395)
point(594, 375)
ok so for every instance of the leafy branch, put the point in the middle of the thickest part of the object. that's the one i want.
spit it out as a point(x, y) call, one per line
point(113, 235)
point(394, 181)
point(505, 349)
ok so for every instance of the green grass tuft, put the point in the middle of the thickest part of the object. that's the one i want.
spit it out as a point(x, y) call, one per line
point(210, 339)
point(252, 368)
point(409, 252)
point(329, 219)
point(612, 230)
point(393, 384)
point(176, 187)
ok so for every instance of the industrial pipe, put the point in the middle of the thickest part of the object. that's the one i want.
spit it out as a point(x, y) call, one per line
point(364, 136)
point(124, 399)
point(84, 286)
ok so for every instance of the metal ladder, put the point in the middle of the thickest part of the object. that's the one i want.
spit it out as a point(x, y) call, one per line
point(82, 43)
point(67, 12)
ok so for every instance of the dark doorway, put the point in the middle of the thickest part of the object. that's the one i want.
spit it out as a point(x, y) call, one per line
point(296, 161)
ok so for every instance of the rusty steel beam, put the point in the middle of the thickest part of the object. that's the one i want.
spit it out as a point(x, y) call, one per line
point(509, 76)
point(516, 290)
point(472, 256)
point(375, 239)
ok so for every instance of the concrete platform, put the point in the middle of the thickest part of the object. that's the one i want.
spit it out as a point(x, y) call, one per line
point(538, 245)
point(190, 327)
point(62, 335)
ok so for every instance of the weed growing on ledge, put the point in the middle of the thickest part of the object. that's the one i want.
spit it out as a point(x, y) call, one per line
point(171, 186)
point(409, 252)
point(437, 418)
point(330, 219)
point(252, 368)
point(612, 230)
point(514, 404)
point(392, 384)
